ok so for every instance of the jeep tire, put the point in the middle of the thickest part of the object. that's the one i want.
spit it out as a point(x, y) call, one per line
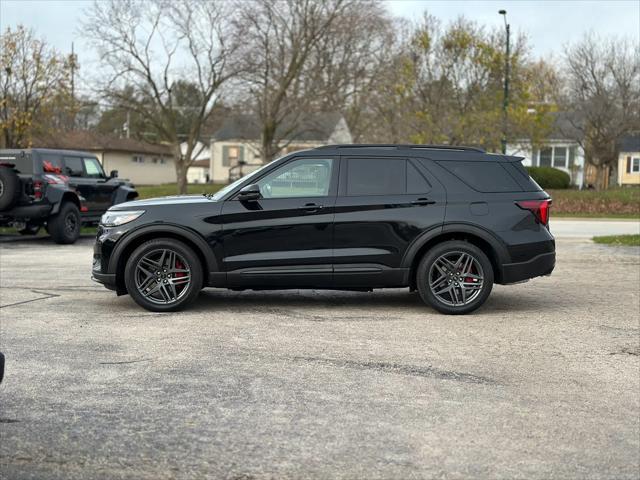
point(9, 188)
point(64, 227)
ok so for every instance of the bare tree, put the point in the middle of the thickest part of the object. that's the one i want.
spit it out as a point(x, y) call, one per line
point(154, 46)
point(602, 96)
point(33, 79)
point(279, 46)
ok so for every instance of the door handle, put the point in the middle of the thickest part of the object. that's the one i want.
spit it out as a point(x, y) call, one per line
point(310, 207)
point(423, 201)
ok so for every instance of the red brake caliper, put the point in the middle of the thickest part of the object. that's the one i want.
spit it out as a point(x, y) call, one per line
point(179, 275)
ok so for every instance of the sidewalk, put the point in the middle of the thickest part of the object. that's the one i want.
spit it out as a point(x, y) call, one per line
point(587, 228)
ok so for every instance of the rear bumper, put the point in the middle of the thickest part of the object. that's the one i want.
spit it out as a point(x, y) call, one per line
point(27, 212)
point(539, 265)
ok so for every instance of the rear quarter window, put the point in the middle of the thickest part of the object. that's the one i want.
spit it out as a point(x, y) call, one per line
point(483, 176)
point(22, 163)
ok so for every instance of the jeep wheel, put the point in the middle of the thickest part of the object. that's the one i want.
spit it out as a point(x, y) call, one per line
point(9, 188)
point(455, 277)
point(163, 275)
point(65, 226)
point(29, 229)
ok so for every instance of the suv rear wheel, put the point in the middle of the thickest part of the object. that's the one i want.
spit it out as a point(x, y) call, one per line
point(65, 226)
point(163, 275)
point(455, 277)
point(29, 229)
point(9, 187)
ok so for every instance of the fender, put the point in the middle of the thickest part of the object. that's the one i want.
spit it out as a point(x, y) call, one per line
point(458, 227)
point(57, 195)
point(121, 193)
point(159, 229)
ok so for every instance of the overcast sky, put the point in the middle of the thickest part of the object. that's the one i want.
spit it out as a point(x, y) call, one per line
point(548, 24)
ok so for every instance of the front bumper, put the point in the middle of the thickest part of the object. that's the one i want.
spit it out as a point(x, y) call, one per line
point(106, 279)
point(542, 264)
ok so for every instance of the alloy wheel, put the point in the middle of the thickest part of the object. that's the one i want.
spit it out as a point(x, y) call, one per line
point(456, 278)
point(162, 276)
point(70, 223)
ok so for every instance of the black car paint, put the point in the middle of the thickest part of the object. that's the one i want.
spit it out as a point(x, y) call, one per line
point(350, 242)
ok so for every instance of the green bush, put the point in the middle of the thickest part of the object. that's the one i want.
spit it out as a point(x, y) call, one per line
point(549, 177)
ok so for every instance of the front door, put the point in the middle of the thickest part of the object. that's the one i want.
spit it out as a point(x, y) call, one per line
point(287, 234)
point(383, 205)
point(86, 176)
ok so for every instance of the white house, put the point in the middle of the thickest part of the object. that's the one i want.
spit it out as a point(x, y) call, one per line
point(629, 160)
point(199, 170)
point(141, 162)
point(235, 146)
point(558, 151)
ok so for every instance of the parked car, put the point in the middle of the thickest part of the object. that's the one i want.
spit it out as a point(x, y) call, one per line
point(58, 189)
point(448, 222)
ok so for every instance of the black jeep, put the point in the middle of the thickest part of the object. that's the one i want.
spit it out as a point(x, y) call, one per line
point(57, 189)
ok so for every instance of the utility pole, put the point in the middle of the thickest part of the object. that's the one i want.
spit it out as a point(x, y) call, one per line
point(73, 87)
point(505, 100)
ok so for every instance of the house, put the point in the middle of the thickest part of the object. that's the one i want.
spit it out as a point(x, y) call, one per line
point(235, 146)
point(141, 162)
point(629, 160)
point(199, 170)
point(560, 150)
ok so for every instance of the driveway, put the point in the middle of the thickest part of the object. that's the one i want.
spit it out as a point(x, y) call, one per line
point(541, 383)
point(574, 228)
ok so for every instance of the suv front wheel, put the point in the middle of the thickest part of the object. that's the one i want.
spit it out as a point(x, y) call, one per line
point(163, 275)
point(65, 226)
point(455, 277)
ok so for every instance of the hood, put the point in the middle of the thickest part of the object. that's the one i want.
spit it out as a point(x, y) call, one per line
point(159, 201)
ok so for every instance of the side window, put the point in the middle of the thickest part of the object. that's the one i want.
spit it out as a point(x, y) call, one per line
point(376, 176)
point(73, 167)
point(93, 167)
point(416, 183)
point(300, 178)
point(483, 176)
point(51, 163)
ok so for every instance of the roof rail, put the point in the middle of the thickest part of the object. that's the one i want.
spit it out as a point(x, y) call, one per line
point(399, 146)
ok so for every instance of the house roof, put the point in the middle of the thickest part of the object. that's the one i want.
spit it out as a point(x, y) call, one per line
point(89, 141)
point(318, 127)
point(630, 142)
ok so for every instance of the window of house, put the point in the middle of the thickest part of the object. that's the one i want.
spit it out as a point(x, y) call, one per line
point(301, 178)
point(560, 157)
point(232, 155)
point(137, 159)
point(154, 160)
point(635, 165)
point(546, 154)
point(73, 167)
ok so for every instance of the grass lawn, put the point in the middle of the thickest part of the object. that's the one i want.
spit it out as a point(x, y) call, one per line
point(626, 240)
point(614, 203)
point(150, 191)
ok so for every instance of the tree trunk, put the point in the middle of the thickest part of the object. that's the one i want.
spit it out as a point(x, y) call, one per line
point(181, 170)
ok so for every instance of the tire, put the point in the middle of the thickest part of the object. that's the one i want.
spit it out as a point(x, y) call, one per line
point(9, 188)
point(30, 229)
point(162, 290)
point(64, 227)
point(446, 295)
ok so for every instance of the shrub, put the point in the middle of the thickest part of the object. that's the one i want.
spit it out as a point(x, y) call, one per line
point(549, 177)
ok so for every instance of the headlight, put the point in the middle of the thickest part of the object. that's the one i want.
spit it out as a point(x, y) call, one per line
point(119, 217)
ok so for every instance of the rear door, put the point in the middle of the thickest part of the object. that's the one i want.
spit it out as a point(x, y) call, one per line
point(383, 204)
point(284, 238)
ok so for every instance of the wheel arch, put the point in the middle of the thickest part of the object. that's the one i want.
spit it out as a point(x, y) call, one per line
point(485, 241)
point(133, 240)
point(64, 196)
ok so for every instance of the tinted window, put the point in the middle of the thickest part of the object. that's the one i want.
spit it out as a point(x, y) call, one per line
point(300, 178)
point(416, 183)
point(521, 175)
point(22, 163)
point(73, 166)
point(376, 176)
point(483, 176)
point(51, 163)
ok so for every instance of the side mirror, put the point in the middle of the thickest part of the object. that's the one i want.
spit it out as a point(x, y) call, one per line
point(113, 174)
point(250, 193)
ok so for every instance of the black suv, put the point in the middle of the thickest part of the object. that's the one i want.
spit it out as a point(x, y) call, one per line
point(446, 221)
point(58, 189)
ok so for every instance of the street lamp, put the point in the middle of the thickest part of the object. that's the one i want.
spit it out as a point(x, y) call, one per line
point(505, 100)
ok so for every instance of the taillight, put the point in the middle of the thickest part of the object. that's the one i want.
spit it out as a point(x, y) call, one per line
point(38, 190)
point(539, 208)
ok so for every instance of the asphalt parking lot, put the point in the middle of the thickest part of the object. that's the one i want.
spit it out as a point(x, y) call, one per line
point(542, 382)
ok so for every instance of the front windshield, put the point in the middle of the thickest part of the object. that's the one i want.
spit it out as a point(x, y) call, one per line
point(223, 191)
